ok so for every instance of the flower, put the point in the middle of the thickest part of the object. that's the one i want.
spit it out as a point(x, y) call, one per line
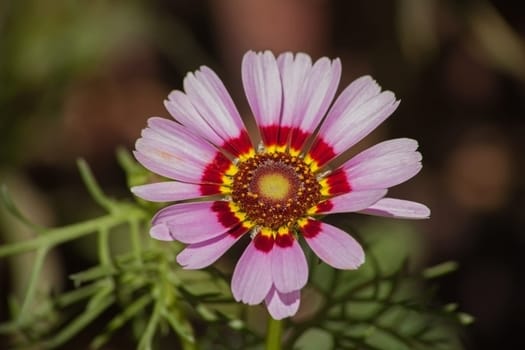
point(276, 191)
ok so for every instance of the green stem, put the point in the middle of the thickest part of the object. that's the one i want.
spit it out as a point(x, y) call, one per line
point(62, 234)
point(146, 340)
point(103, 247)
point(92, 186)
point(79, 323)
point(136, 240)
point(274, 334)
point(32, 284)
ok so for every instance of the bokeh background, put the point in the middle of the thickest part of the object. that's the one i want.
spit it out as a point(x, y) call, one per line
point(80, 78)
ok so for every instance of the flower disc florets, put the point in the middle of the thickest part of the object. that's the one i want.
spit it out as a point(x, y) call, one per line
point(275, 189)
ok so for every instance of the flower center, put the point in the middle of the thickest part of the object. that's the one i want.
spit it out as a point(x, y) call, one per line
point(275, 189)
point(273, 186)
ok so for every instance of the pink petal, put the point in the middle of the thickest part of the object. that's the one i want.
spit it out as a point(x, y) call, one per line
point(308, 92)
point(252, 277)
point(213, 102)
point(165, 161)
point(351, 202)
point(191, 222)
point(334, 246)
point(161, 232)
point(169, 191)
point(354, 95)
point(180, 138)
point(294, 72)
point(404, 145)
point(318, 93)
point(384, 173)
point(262, 85)
point(203, 254)
point(282, 305)
point(358, 111)
point(289, 267)
point(398, 208)
point(171, 150)
point(384, 165)
point(180, 107)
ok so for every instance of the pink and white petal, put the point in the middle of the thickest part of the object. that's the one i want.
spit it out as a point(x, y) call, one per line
point(203, 254)
point(180, 138)
point(349, 122)
point(294, 72)
point(213, 102)
point(252, 277)
point(334, 246)
point(156, 163)
point(180, 107)
point(317, 94)
point(383, 171)
point(194, 222)
point(281, 305)
point(167, 161)
point(403, 145)
point(345, 130)
point(351, 202)
point(358, 92)
point(289, 266)
point(308, 91)
point(383, 176)
point(169, 191)
point(398, 208)
point(262, 85)
point(384, 165)
point(171, 150)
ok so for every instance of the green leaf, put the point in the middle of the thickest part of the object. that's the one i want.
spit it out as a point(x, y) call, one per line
point(440, 270)
point(92, 274)
point(314, 339)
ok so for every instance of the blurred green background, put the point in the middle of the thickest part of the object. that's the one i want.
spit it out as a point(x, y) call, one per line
point(80, 78)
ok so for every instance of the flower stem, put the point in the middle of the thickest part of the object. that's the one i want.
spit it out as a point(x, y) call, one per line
point(274, 334)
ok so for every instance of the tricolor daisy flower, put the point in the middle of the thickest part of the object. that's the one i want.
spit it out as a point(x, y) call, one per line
point(224, 188)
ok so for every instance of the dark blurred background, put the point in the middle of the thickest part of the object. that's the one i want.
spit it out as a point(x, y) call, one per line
point(80, 78)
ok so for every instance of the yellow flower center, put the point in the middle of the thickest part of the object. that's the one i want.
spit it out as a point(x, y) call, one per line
point(274, 186)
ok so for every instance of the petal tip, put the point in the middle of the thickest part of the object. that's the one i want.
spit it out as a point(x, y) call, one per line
point(360, 261)
point(136, 190)
point(425, 212)
point(161, 232)
point(282, 305)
